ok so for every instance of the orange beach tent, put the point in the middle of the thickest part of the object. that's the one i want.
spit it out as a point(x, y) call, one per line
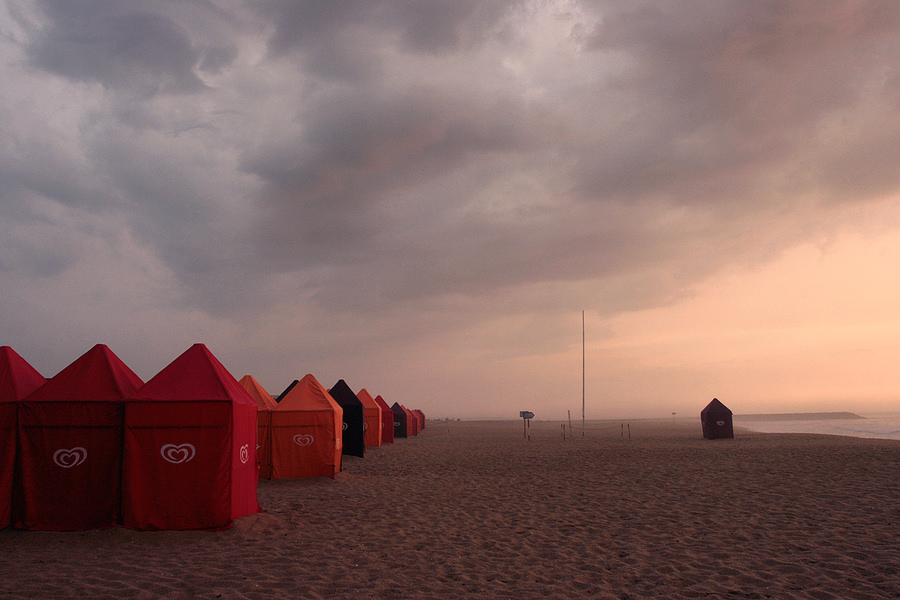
point(371, 417)
point(265, 403)
point(17, 380)
point(305, 432)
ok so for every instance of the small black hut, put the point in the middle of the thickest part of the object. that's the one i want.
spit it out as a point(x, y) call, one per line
point(717, 421)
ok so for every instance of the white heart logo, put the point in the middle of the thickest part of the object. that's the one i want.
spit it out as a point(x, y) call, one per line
point(245, 453)
point(720, 423)
point(69, 457)
point(344, 427)
point(303, 439)
point(396, 423)
point(365, 426)
point(177, 454)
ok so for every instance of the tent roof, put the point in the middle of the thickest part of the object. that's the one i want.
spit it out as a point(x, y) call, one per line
point(264, 400)
point(306, 395)
point(380, 402)
point(366, 398)
point(17, 377)
point(195, 375)
point(343, 395)
point(97, 375)
point(716, 406)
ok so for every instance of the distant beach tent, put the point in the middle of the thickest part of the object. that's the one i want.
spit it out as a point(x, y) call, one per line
point(412, 423)
point(17, 380)
point(387, 421)
point(306, 432)
point(717, 421)
point(421, 417)
point(372, 418)
point(190, 448)
point(265, 403)
point(401, 419)
point(354, 433)
point(68, 475)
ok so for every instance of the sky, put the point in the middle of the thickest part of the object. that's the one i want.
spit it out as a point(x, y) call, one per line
point(471, 208)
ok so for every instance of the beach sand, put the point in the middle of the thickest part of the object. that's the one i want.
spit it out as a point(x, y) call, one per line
point(474, 510)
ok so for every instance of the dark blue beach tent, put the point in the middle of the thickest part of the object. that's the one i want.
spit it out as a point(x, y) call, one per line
point(400, 420)
point(717, 422)
point(354, 424)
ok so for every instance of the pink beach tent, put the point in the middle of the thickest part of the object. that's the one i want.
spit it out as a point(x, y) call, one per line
point(265, 404)
point(68, 474)
point(190, 448)
point(17, 380)
point(387, 421)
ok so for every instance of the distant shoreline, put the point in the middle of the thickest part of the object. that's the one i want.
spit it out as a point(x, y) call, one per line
point(822, 416)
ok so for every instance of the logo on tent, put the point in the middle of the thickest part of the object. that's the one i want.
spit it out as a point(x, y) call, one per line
point(303, 439)
point(344, 427)
point(178, 454)
point(396, 423)
point(245, 453)
point(70, 457)
point(365, 426)
point(720, 423)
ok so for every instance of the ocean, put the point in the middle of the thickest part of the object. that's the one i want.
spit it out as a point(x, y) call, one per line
point(875, 425)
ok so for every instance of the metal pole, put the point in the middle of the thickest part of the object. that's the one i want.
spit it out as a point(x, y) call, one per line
point(582, 373)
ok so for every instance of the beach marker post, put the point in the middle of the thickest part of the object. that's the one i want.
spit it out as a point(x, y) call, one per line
point(526, 415)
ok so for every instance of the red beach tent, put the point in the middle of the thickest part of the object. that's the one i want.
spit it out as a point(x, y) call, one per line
point(190, 448)
point(265, 403)
point(371, 417)
point(306, 432)
point(17, 380)
point(387, 421)
point(68, 475)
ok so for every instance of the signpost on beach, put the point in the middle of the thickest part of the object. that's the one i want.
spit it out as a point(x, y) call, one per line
point(526, 415)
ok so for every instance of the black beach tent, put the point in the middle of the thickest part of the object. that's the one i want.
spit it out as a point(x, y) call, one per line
point(400, 419)
point(354, 428)
point(717, 421)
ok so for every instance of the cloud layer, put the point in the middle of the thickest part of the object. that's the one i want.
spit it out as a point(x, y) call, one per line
point(416, 193)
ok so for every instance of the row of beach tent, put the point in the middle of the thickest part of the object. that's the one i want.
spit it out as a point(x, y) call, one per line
point(95, 447)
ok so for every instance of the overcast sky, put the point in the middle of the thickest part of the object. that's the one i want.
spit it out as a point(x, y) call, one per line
point(422, 196)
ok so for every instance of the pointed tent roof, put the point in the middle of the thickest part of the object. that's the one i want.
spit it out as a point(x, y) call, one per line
point(195, 375)
point(366, 398)
point(264, 400)
point(17, 377)
point(306, 394)
point(97, 375)
point(381, 402)
point(343, 395)
point(716, 407)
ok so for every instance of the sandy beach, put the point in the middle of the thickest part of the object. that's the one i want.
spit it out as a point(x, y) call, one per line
point(474, 510)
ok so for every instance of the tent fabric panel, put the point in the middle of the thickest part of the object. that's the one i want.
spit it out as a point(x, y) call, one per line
point(244, 474)
point(176, 477)
point(68, 477)
point(263, 445)
point(305, 444)
point(8, 437)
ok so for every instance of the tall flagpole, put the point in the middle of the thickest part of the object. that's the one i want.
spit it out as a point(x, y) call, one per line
point(582, 373)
